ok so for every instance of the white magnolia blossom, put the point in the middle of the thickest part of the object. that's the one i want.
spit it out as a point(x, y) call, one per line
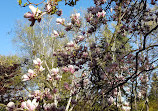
point(10, 105)
point(126, 108)
point(126, 103)
point(58, 77)
point(49, 77)
point(71, 44)
point(30, 105)
point(41, 69)
point(60, 20)
point(29, 75)
point(101, 14)
point(69, 24)
point(55, 33)
point(34, 15)
point(30, 71)
point(111, 99)
point(75, 16)
point(37, 61)
point(25, 77)
point(34, 10)
point(71, 68)
point(80, 38)
point(48, 6)
point(54, 71)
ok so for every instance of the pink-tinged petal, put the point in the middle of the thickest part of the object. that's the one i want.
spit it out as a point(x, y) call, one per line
point(39, 60)
point(75, 16)
point(55, 71)
point(71, 68)
point(103, 13)
point(30, 73)
point(30, 105)
point(111, 99)
point(98, 14)
point(55, 33)
point(23, 105)
point(85, 54)
point(34, 10)
point(28, 15)
point(71, 44)
point(65, 69)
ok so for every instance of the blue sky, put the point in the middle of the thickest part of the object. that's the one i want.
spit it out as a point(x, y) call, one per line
point(11, 12)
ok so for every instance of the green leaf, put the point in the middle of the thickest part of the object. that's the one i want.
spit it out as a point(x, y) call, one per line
point(20, 2)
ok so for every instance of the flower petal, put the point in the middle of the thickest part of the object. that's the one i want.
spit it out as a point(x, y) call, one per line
point(34, 10)
point(28, 15)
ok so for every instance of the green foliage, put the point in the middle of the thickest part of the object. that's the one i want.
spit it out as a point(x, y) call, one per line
point(2, 107)
point(153, 106)
point(9, 60)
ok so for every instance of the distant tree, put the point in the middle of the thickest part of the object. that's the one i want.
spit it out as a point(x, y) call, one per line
point(10, 78)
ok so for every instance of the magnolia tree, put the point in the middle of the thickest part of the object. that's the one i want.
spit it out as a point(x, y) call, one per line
point(108, 68)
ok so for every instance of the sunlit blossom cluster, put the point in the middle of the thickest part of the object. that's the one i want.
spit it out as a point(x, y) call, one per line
point(54, 75)
point(33, 73)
